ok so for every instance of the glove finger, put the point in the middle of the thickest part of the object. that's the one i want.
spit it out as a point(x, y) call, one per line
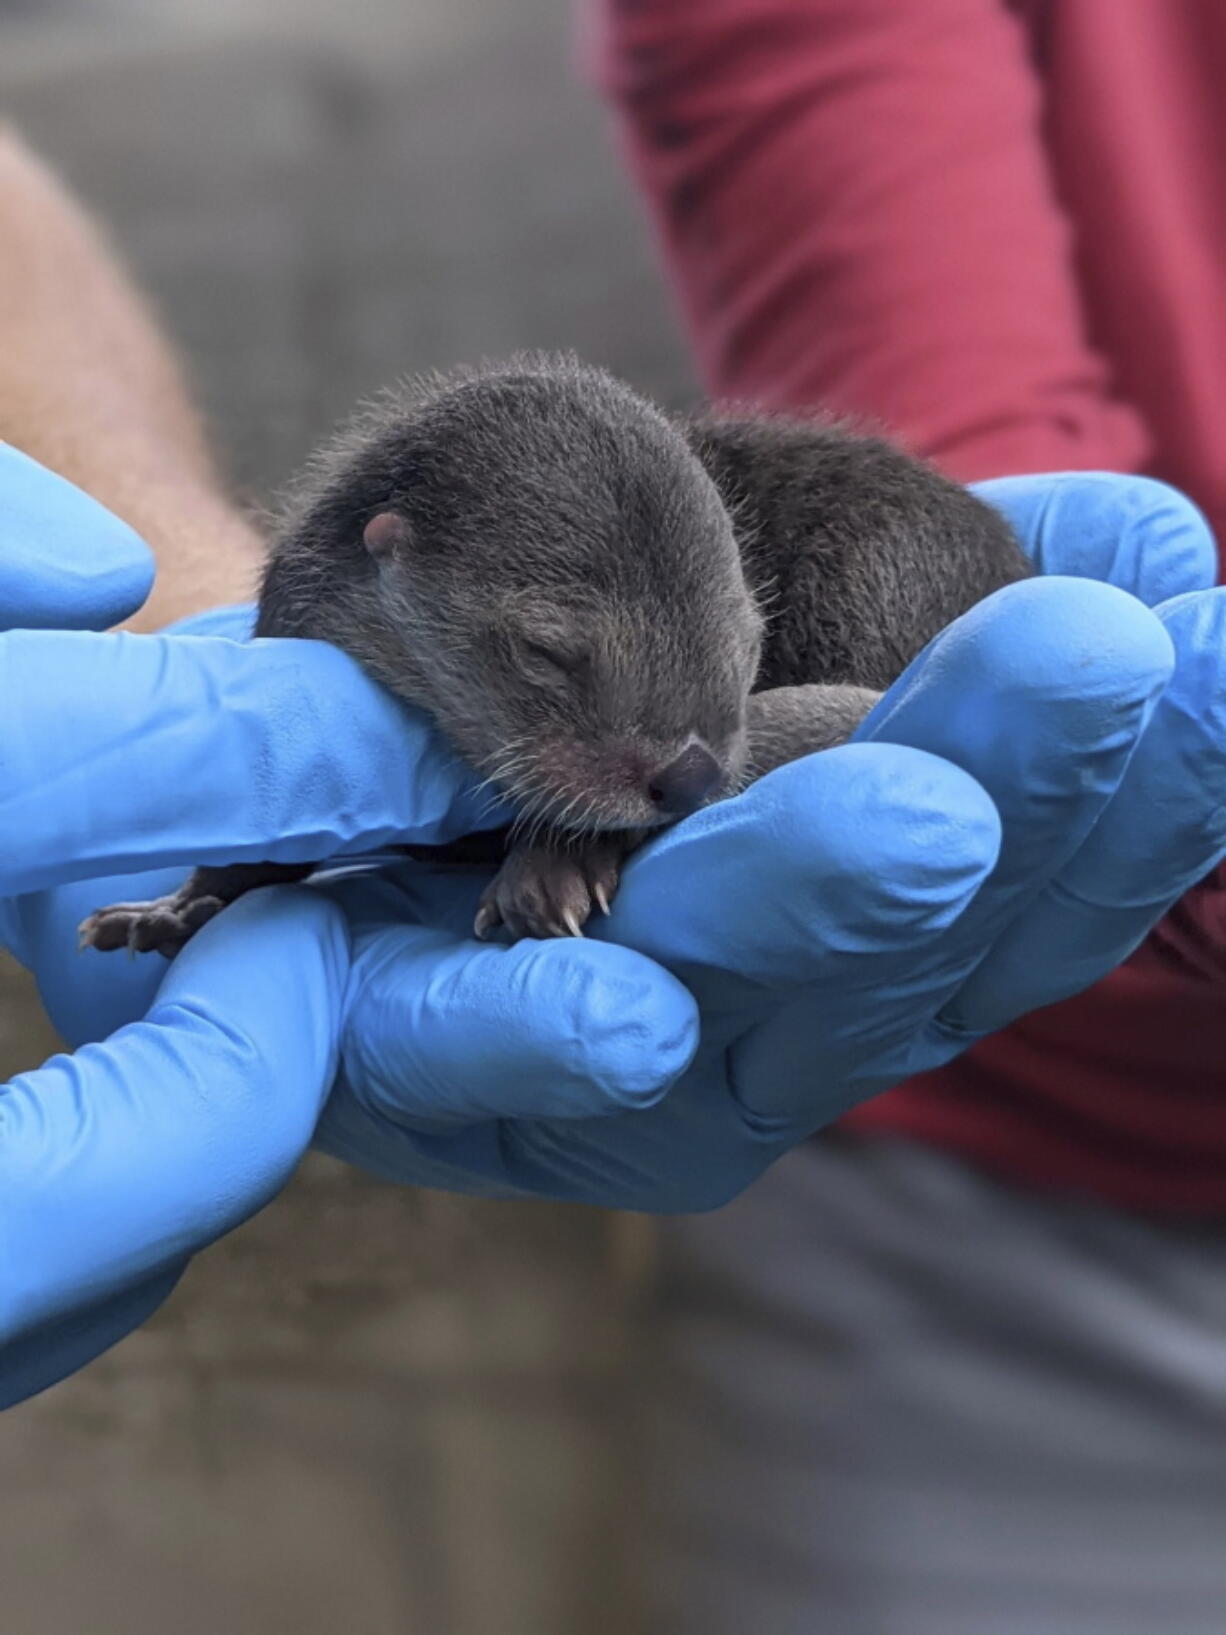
point(444, 1030)
point(52, 1352)
point(829, 863)
point(1040, 694)
point(1133, 532)
point(68, 563)
point(446, 1035)
point(119, 1161)
point(1162, 832)
point(125, 752)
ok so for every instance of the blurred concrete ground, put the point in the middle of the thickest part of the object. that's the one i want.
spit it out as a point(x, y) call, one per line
point(368, 1411)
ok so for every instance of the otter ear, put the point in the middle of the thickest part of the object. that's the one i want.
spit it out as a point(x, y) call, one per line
point(385, 534)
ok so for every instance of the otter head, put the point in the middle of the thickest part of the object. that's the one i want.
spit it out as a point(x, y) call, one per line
point(543, 565)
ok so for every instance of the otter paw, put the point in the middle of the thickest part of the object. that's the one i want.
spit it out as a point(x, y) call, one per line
point(163, 925)
point(539, 892)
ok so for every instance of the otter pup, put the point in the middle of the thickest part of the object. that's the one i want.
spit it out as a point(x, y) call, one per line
point(615, 616)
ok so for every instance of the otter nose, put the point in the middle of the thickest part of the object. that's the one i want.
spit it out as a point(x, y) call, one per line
point(681, 786)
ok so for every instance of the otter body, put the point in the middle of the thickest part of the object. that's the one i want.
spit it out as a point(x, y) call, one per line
point(862, 553)
point(614, 616)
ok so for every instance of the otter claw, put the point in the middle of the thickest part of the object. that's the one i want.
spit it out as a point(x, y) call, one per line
point(487, 918)
point(548, 892)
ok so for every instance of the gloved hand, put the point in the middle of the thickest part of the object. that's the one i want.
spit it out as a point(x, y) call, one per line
point(117, 1163)
point(1028, 800)
point(834, 922)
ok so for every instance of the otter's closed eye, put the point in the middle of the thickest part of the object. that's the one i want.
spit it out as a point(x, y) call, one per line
point(544, 656)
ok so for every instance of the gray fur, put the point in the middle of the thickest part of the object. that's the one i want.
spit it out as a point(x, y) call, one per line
point(583, 591)
point(549, 505)
point(863, 552)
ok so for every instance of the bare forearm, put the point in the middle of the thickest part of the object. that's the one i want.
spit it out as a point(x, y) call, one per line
point(89, 387)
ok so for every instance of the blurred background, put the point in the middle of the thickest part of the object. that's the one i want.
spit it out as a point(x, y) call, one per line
point(369, 1410)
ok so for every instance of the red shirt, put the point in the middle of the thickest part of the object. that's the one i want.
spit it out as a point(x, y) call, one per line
point(1000, 229)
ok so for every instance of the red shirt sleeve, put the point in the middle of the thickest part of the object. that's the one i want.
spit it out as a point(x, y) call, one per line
point(856, 212)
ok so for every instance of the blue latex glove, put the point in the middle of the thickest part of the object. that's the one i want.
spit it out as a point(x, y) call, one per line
point(1027, 801)
point(117, 1163)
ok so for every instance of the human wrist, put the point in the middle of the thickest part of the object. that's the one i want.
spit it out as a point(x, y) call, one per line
point(207, 556)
